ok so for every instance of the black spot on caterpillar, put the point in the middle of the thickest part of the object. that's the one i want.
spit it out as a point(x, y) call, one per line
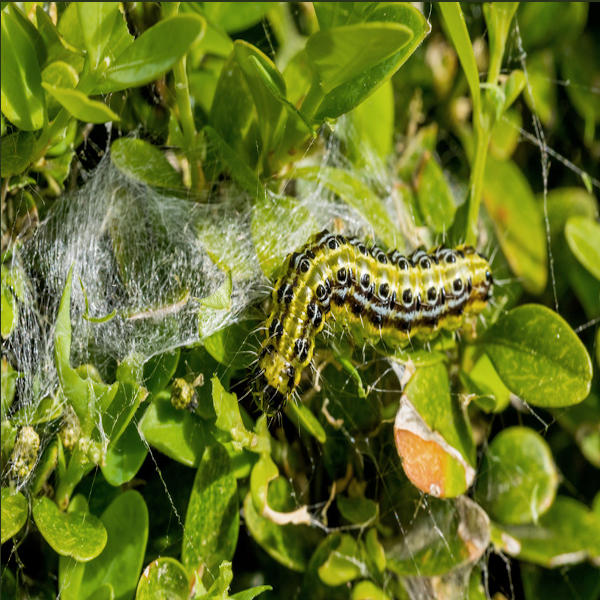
point(377, 296)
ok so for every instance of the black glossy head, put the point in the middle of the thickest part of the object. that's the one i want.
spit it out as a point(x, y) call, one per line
point(272, 400)
point(269, 399)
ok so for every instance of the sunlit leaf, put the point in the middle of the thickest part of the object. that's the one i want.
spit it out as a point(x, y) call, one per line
point(119, 565)
point(148, 56)
point(518, 222)
point(14, 513)
point(164, 577)
point(80, 106)
point(22, 95)
point(142, 161)
point(212, 519)
point(78, 534)
point(539, 357)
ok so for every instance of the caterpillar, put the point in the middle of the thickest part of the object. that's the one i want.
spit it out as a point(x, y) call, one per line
point(377, 296)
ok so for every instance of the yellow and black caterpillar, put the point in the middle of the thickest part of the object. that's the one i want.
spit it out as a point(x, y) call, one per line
point(376, 295)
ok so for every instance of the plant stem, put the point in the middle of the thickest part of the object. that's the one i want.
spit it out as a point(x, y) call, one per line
point(184, 106)
point(482, 138)
point(60, 122)
point(78, 467)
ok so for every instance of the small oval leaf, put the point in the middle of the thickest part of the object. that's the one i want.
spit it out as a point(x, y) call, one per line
point(164, 578)
point(78, 534)
point(539, 357)
point(14, 513)
point(583, 237)
point(518, 477)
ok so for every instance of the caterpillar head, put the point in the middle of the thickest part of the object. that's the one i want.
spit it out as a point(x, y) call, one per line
point(268, 398)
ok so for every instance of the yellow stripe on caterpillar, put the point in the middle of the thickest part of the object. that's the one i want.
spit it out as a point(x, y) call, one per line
point(377, 296)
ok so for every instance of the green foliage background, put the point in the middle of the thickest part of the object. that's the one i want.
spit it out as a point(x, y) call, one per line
point(165, 481)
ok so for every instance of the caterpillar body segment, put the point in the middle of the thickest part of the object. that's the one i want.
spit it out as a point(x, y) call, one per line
point(376, 296)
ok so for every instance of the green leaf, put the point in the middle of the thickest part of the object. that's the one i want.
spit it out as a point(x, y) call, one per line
point(375, 134)
point(58, 49)
point(118, 415)
point(287, 544)
point(9, 381)
point(547, 23)
point(176, 433)
point(582, 422)
point(505, 135)
point(80, 106)
point(518, 478)
point(14, 513)
point(17, 150)
point(498, 16)
point(104, 32)
point(352, 61)
point(148, 57)
point(367, 590)
point(343, 564)
point(341, 54)
point(62, 75)
point(457, 32)
point(212, 519)
point(347, 96)
point(159, 369)
point(268, 214)
point(517, 221)
point(357, 195)
point(539, 357)
point(334, 14)
point(164, 578)
point(10, 309)
point(119, 565)
point(144, 162)
point(229, 420)
point(263, 472)
point(567, 533)
point(300, 414)
point(221, 298)
point(436, 202)
point(70, 571)
point(236, 16)
point(78, 534)
point(232, 115)
point(125, 457)
point(233, 163)
point(565, 202)
point(483, 378)
point(266, 86)
point(251, 593)
point(280, 124)
point(69, 26)
point(580, 74)
point(433, 436)
point(22, 95)
point(359, 510)
point(540, 93)
point(104, 592)
point(512, 87)
point(577, 581)
point(583, 237)
point(230, 346)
